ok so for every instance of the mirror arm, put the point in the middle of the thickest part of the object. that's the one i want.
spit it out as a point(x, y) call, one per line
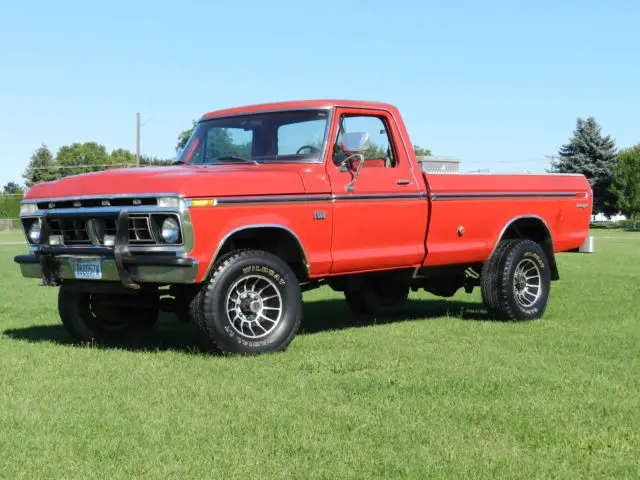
point(349, 186)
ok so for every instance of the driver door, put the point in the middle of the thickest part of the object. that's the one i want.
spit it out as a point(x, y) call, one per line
point(379, 223)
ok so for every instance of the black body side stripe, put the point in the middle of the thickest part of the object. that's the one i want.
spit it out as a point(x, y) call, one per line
point(469, 196)
point(272, 199)
point(267, 199)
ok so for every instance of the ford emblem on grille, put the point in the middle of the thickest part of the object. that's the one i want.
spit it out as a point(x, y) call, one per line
point(137, 202)
point(52, 205)
point(77, 204)
point(106, 203)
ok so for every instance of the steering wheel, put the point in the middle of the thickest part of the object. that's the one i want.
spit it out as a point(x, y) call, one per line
point(311, 148)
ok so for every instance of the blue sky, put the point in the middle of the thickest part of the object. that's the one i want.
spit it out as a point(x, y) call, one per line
point(498, 84)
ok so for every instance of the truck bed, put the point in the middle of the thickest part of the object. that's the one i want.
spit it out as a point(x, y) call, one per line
point(469, 211)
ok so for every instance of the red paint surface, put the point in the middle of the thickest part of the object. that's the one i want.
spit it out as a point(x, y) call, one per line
point(356, 235)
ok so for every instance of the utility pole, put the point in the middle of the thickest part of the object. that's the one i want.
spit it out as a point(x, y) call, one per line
point(552, 160)
point(138, 139)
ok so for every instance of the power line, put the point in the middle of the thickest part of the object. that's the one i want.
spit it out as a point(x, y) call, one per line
point(84, 166)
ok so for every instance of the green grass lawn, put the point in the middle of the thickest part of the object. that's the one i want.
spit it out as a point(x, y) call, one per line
point(11, 237)
point(443, 392)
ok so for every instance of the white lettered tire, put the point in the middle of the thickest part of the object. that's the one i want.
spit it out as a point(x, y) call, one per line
point(516, 281)
point(251, 304)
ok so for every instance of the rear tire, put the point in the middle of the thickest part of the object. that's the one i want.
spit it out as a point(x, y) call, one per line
point(252, 304)
point(516, 281)
point(98, 318)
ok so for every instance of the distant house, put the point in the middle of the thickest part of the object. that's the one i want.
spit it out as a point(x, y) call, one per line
point(437, 164)
point(601, 217)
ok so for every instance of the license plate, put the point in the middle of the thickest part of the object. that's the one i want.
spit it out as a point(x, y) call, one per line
point(88, 269)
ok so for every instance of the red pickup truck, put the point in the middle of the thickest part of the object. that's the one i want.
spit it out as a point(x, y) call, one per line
point(267, 201)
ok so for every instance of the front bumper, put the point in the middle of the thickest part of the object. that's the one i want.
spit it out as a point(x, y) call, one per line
point(141, 269)
point(53, 264)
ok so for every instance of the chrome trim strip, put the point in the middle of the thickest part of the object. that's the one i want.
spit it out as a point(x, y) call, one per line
point(151, 209)
point(321, 158)
point(178, 250)
point(106, 196)
point(255, 227)
point(515, 219)
point(186, 227)
point(263, 199)
point(267, 199)
point(381, 196)
point(480, 195)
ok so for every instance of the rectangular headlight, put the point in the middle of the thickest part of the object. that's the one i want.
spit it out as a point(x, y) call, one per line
point(168, 202)
point(28, 207)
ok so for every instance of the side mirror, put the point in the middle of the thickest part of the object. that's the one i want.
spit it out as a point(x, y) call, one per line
point(355, 142)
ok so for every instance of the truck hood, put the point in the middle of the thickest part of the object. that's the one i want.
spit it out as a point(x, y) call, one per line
point(190, 181)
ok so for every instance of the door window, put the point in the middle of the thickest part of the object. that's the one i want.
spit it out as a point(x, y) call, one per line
point(380, 153)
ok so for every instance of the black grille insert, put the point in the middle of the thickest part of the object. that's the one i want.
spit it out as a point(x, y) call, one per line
point(98, 202)
point(92, 231)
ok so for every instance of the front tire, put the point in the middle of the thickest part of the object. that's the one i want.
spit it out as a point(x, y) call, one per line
point(516, 281)
point(101, 319)
point(251, 304)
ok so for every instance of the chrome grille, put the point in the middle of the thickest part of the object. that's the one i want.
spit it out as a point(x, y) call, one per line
point(92, 231)
point(73, 231)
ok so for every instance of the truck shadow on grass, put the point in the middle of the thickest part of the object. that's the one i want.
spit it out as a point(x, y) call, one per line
point(319, 316)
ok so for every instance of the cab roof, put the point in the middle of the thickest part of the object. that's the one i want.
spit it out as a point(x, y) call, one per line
point(297, 104)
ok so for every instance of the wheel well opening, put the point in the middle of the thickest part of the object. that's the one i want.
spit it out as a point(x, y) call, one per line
point(277, 241)
point(536, 230)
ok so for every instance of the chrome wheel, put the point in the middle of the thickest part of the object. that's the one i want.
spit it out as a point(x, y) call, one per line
point(254, 306)
point(527, 285)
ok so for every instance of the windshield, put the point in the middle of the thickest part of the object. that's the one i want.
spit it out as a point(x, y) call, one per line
point(278, 136)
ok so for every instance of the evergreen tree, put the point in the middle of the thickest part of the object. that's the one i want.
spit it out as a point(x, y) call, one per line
point(39, 168)
point(593, 155)
point(12, 188)
point(625, 183)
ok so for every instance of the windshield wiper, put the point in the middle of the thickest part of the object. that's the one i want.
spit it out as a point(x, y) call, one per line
point(234, 157)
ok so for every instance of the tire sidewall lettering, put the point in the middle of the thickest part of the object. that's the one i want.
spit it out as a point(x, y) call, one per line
point(265, 270)
point(535, 310)
point(536, 258)
point(217, 322)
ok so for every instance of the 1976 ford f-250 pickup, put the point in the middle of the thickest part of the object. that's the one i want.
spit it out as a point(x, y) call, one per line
point(267, 201)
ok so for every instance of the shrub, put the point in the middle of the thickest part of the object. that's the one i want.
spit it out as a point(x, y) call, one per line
point(10, 206)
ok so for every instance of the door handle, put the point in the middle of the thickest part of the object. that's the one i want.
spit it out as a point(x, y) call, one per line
point(402, 181)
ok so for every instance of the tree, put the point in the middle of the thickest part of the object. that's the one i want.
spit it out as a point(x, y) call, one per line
point(593, 155)
point(625, 184)
point(12, 188)
point(40, 168)
point(421, 152)
point(122, 158)
point(154, 161)
point(183, 138)
point(80, 158)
